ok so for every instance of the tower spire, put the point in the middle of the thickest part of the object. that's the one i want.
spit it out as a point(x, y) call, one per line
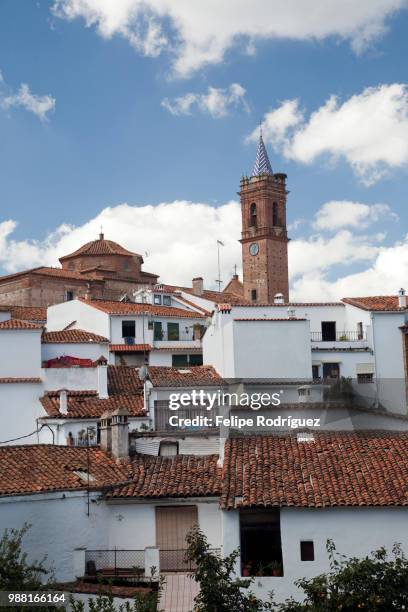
point(262, 164)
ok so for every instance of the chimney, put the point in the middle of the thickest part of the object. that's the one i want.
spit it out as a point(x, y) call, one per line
point(279, 299)
point(63, 401)
point(402, 298)
point(102, 374)
point(120, 433)
point(106, 432)
point(198, 285)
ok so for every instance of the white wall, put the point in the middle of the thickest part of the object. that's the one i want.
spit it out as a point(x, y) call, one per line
point(19, 409)
point(74, 379)
point(272, 349)
point(83, 315)
point(20, 353)
point(355, 532)
point(58, 527)
point(83, 350)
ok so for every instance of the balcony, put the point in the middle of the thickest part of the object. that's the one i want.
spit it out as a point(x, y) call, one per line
point(339, 340)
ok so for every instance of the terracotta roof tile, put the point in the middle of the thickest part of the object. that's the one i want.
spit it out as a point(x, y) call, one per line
point(10, 380)
point(39, 468)
point(101, 247)
point(131, 308)
point(337, 469)
point(192, 376)
point(36, 314)
point(71, 336)
point(180, 476)
point(125, 389)
point(269, 319)
point(376, 303)
point(129, 348)
point(19, 324)
point(124, 379)
point(91, 406)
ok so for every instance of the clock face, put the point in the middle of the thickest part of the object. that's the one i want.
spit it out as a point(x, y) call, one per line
point(254, 248)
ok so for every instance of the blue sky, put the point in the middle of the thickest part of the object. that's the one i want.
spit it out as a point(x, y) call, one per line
point(108, 139)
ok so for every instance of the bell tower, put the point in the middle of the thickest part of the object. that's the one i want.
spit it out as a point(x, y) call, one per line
point(264, 235)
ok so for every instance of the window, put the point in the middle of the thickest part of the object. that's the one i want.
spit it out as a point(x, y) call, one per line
point(328, 331)
point(275, 218)
point(71, 265)
point(316, 372)
point(364, 379)
point(157, 330)
point(166, 300)
point(331, 370)
point(181, 360)
point(69, 295)
point(307, 551)
point(252, 215)
point(261, 548)
point(128, 329)
point(168, 449)
point(253, 295)
point(360, 331)
point(157, 299)
point(173, 331)
point(126, 264)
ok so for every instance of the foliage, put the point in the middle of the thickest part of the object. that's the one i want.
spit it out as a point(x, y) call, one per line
point(16, 573)
point(220, 591)
point(104, 601)
point(376, 583)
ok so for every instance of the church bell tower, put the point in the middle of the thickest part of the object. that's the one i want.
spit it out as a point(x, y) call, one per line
point(264, 235)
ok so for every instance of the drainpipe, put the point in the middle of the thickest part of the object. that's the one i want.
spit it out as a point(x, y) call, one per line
point(375, 359)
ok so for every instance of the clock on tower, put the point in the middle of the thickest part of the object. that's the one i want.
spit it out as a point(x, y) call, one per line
point(264, 236)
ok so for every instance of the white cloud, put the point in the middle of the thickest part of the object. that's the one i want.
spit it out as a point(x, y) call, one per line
point(369, 131)
point(200, 33)
point(180, 239)
point(38, 105)
point(336, 214)
point(217, 102)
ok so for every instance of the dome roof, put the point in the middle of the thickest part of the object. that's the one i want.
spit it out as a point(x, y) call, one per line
point(101, 247)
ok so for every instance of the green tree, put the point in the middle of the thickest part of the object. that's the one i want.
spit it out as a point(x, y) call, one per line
point(376, 583)
point(16, 573)
point(220, 591)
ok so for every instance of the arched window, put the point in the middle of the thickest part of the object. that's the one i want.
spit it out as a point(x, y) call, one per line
point(252, 215)
point(275, 218)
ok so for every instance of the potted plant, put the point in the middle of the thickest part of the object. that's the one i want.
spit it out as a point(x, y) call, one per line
point(276, 568)
point(247, 569)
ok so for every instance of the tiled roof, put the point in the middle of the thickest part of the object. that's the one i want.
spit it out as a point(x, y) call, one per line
point(194, 376)
point(216, 296)
point(36, 314)
point(131, 308)
point(242, 304)
point(82, 405)
point(101, 247)
point(376, 303)
point(71, 336)
point(10, 380)
point(125, 389)
point(269, 319)
point(34, 469)
point(19, 324)
point(129, 348)
point(337, 469)
point(180, 476)
point(124, 379)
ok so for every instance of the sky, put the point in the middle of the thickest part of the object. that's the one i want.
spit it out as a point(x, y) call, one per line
point(141, 117)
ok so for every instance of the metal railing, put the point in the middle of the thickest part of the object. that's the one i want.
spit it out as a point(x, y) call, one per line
point(175, 560)
point(114, 562)
point(181, 336)
point(343, 336)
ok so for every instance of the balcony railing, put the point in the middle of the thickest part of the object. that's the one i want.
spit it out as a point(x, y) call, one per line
point(114, 562)
point(343, 336)
point(175, 560)
point(181, 336)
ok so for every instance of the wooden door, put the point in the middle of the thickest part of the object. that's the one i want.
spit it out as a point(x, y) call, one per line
point(172, 526)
